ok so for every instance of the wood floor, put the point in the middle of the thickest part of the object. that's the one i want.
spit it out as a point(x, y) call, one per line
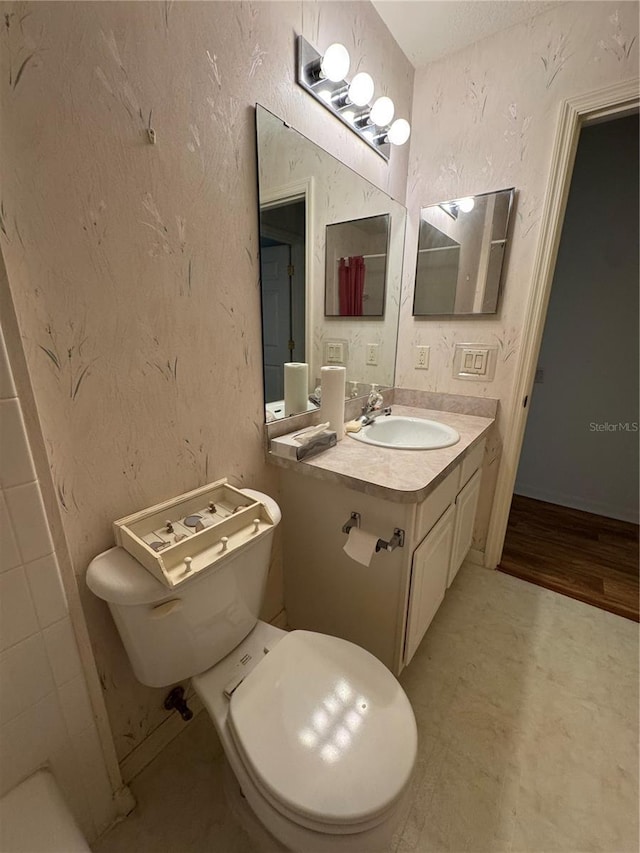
point(584, 556)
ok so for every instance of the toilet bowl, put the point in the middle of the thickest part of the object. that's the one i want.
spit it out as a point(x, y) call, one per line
point(319, 734)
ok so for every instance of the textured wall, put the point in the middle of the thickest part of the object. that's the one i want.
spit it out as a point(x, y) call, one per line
point(134, 267)
point(485, 119)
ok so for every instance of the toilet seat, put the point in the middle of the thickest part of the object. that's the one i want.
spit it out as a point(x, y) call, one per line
point(326, 733)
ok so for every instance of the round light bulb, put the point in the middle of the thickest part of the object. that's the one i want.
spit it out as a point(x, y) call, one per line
point(361, 89)
point(382, 111)
point(466, 204)
point(399, 131)
point(335, 62)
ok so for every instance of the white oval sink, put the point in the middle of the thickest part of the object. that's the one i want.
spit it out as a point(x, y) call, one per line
point(407, 433)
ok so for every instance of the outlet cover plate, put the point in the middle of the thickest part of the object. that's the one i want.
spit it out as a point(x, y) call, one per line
point(421, 360)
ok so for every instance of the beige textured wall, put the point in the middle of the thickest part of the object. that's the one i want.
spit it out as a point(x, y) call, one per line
point(134, 267)
point(485, 119)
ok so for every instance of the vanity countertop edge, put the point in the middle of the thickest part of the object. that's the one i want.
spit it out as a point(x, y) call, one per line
point(405, 476)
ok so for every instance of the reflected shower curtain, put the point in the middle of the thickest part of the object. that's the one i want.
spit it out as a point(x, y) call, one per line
point(351, 274)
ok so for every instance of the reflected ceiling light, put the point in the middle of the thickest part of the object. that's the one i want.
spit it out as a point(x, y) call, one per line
point(466, 205)
point(382, 111)
point(324, 78)
point(335, 62)
point(399, 131)
point(361, 89)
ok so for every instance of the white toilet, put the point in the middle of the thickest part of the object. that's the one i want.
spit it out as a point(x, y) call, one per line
point(319, 734)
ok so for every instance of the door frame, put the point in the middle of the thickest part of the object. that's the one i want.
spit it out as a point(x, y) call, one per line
point(595, 106)
point(277, 196)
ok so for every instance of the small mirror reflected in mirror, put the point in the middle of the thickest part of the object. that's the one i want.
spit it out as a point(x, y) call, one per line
point(461, 250)
point(356, 267)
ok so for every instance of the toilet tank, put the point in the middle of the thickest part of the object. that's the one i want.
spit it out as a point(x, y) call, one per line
point(170, 635)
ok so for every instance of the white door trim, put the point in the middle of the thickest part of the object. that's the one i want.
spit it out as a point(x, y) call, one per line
point(593, 106)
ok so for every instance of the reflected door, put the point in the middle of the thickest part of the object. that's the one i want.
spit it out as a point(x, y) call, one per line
point(276, 317)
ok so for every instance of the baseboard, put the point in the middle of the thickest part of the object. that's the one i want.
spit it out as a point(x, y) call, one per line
point(573, 502)
point(154, 743)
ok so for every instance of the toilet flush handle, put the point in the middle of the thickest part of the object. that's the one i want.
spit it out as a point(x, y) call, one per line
point(167, 607)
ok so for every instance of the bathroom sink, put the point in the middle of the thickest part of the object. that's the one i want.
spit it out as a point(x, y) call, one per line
point(407, 433)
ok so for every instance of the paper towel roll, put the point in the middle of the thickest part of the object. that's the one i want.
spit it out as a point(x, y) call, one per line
point(360, 546)
point(332, 381)
point(296, 387)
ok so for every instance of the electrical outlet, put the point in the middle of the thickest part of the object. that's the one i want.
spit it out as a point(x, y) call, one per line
point(372, 354)
point(422, 358)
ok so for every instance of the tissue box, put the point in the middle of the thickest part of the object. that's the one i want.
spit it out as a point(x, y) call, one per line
point(286, 446)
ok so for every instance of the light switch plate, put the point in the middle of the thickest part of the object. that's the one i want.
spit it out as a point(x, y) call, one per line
point(475, 361)
point(335, 352)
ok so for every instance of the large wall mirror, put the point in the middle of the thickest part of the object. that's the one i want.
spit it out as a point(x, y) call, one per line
point(461, 251)
point(306, 198)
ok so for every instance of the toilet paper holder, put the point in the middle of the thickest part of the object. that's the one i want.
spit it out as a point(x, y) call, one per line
point(396, 541)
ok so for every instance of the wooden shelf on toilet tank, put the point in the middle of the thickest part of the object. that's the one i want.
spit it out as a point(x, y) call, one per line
point(186, 550)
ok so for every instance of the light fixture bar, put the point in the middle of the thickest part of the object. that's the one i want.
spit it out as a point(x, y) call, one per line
point(308, 63)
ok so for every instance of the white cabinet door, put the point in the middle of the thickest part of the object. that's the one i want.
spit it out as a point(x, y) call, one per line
point(466, 504)
point(428, 580)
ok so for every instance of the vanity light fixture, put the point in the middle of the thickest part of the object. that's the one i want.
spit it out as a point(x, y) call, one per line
point(361, 89)
point(382, 111)
point(335, 63)
point(324, 78)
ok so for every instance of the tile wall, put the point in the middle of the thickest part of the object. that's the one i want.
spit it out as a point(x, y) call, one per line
point(45, 712)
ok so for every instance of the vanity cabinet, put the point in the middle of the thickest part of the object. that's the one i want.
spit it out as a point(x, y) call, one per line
point(387, 606)
point(429, 576)
point(465, 514)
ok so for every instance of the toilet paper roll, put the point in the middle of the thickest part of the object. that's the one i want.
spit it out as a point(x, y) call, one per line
point(296, 387)
point(360, 546)
point(332, 382)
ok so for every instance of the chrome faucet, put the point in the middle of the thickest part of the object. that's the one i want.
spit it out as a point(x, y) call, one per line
point(370, 412)
point(368, 417)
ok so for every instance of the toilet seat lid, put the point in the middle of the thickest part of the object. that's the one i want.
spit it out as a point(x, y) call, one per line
point(326, 729)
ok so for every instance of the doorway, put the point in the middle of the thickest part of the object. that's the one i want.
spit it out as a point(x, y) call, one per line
point(282, 274)
point(573, 521)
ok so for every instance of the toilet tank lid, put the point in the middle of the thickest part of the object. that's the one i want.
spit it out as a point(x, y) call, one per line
point(118, 578)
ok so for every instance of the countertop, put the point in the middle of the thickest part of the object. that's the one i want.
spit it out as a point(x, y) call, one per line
point(406, 476)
